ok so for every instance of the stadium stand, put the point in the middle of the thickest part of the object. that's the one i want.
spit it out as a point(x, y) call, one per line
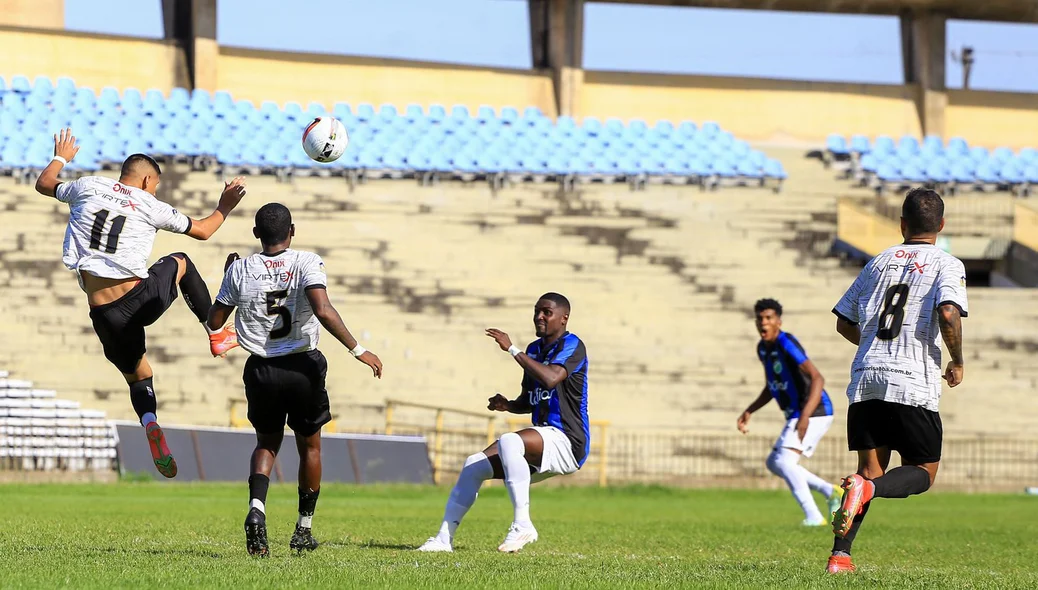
point(41, 432)
point(427, 144)
point(886, 165)
point(418, 275)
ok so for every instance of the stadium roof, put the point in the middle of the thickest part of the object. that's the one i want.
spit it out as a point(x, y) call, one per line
point(1000, 10)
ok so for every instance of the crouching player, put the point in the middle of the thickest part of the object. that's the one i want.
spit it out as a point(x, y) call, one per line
point(554, 390)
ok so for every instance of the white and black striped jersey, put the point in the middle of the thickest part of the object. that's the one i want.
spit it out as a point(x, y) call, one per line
point(894, 301)
point(111, 227)
point(274, 316)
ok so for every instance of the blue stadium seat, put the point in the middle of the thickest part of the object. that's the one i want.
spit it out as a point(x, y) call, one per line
point(978, 154)
point(20, 84)
point(987, 172)
point(1002, 154)
point(773, 169)
point(938, 171)
point(961, 171)
point(860, 144)
point(957, 145)
point(884, 145)
point(837, 145)
point(887, 172)
point(1012, 173)
point(1031, 174)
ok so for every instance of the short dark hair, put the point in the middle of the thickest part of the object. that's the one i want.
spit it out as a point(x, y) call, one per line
point(923, 211)
point(559, 300)
point(765, 304)
point(273, 223)
point(138, 165)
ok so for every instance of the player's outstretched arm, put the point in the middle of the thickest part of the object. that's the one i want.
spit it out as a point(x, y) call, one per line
point(332, 321)
point(233, 191)
point(65, 149)
point(950, 319)
point(761, 401)
point(849, 330)
point(548, 375)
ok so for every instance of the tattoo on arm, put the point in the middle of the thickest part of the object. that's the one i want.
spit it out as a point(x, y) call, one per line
point(950, 321)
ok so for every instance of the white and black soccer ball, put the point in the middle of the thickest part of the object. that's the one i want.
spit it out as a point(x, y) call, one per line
point(325, 139)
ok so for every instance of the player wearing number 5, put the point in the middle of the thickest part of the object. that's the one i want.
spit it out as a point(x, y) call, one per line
point(282, 300)
point(111, 231)
point(896, 312)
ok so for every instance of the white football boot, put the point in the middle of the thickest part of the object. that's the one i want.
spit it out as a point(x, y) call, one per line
point(518, 537)
point(436, 545)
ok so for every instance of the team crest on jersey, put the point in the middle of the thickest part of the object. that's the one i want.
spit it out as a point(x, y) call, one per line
point(777, 366)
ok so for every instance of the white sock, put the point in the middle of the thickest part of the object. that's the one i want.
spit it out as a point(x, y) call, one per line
point(816, 483)
point(477, 469)
point(148, 418)
point(783, 463)
point(517, 475)
point(258, 505)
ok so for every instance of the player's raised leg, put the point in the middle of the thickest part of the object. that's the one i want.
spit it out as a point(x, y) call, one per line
point(477, 469)
point(198, 300)
point(309, 448)
point(267, 446)
point(520, 454)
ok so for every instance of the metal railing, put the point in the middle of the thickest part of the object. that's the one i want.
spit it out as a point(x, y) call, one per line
point(452, 435)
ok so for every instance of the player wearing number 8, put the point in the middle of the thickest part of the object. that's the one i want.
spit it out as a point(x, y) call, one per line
point(110, 235)
point(282, 300)
point(897, 311)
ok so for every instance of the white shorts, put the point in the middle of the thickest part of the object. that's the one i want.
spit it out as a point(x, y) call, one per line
point(816, 429)
point(557, 458)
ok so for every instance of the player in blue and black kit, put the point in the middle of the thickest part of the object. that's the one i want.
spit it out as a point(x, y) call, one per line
point(795, 383)
point(554, 391)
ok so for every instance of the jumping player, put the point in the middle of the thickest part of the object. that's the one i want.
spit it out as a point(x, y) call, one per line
point(798, 387)
point(110, 235)
point(282, 300)
point(897, 311)
point(554, 390)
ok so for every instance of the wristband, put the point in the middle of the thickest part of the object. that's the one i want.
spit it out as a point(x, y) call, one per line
point(514, 350)
point(358, 350)
point(63, 161)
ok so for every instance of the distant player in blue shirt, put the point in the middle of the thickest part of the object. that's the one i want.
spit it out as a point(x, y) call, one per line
point(795, 383)
point(554, 392)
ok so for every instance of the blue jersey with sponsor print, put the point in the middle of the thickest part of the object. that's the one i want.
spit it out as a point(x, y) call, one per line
point(565, 406)
point(786, 382)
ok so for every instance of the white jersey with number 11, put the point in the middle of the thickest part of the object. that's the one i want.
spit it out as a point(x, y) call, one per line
point(894, 301)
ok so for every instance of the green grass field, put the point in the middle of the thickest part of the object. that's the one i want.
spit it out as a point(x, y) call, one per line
point(190, 536)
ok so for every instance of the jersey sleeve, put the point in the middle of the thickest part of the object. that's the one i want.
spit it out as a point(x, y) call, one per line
point(847, 307)
point(951, 286)
point(229, 288)
point(313, 274)
point(572, 354)
point(795, 351)
point(164, 216)
point(66, 192)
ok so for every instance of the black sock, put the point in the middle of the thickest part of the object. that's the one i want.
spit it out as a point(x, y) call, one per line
point(902, 482)
point(196, 293)
point(258, 484)
point(307, 506)
point(142, 396)
point(844, 544)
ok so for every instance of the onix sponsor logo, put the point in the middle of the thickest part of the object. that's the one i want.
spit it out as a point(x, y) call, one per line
point(274, 264)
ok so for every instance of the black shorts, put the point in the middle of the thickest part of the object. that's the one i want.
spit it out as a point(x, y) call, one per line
point(290, 386)
point(915, 433)
point(120, 324)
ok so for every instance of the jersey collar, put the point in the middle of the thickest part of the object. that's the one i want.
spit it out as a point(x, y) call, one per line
point(273, 254)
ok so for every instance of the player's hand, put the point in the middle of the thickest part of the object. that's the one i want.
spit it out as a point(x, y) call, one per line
point(501, 338)
point(370, 359)
point(743, 422)
point(230, 260)
point(498, 403)
point(233, 192)
point(65, 144)
point(802, 425)
point(953, 374)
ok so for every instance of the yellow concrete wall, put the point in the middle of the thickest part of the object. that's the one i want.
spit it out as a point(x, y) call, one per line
point(327, 79)
point(993, 119)
point(94, 61)
point(43, 14)
point(752, 108)
point(1025, 225)
point(864, 229)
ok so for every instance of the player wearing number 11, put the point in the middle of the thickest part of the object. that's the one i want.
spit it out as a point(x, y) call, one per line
point(904, 301)
point(111, 231)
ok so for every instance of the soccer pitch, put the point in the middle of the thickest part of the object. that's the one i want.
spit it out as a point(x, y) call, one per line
point(190, 536)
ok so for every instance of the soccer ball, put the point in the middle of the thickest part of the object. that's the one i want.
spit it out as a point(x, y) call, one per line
point(325, 139)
